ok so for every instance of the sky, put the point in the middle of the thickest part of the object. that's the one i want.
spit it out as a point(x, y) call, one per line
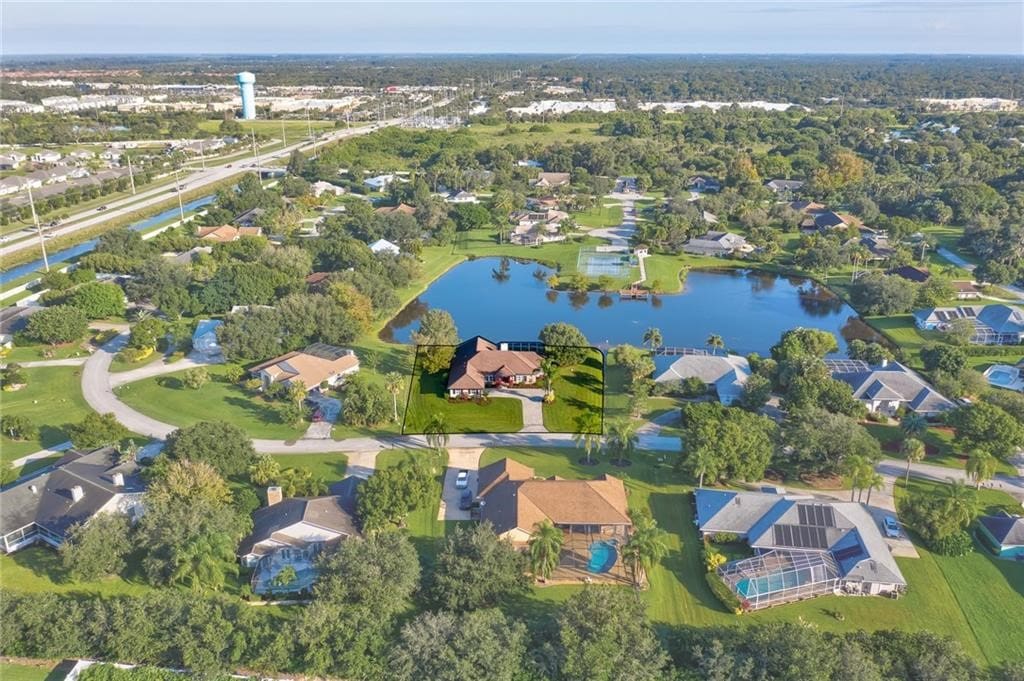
point(725, 26)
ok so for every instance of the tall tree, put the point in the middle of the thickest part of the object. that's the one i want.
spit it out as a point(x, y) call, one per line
point(647, 544)
point(223, 445)
point(436, 339)
point(477, 569)
point(394, 382)
point(652, 336)
point(981, 466)
point(914, 451)
point(588, 433)
point(623, 438)
point(436, 431)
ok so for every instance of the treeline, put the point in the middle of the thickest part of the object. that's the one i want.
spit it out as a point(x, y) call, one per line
point(600, 633)
point(801, 79)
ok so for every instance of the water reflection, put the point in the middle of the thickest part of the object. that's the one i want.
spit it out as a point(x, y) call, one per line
point(750, 311)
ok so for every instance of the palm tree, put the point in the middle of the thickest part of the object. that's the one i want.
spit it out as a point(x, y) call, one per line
point(913, 425)
point(652, 336)
point(623, 438)
point(203, 561)
point(702, 459)
point(914, 451)
point(647, 545)
point(393, 383)
point(856, 468)
point(589, 436)
point(437, 432)
point(548, 368)
point(981, 466)
point(545, 548)
point(874, 480)
point(715, 342)
point(961, 502)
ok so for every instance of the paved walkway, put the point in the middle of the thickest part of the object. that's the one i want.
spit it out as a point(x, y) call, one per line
point(532, 400)
point(41, 454)
point(949, 255)
point(159, 368)
point(70, 362)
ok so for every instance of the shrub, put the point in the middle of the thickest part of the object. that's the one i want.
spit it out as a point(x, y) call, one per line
point(724, 538)
point(18, 427)
point(713, 558)
point(956, 544)
point(233, 373)
point(196, 378)
point(132, 355)
point(724, 594)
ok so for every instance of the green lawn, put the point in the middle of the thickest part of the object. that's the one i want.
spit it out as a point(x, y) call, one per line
point(579, 390)
point(166, 399)
point(51, 400)
point(427, 398)
point(601, 215)
point(24, 672)
point(41, 351)
point(330, 467)
point(971, 599)
point(39, 568)
point(938, 442)
point(505, 134)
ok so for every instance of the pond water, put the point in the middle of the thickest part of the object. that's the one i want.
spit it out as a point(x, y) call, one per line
point(504, 299)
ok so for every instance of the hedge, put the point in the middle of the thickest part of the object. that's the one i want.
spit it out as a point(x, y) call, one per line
point(723, 593)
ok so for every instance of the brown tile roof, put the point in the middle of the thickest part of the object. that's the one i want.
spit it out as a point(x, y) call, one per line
point(400, 208)
point(513, 499)
point(227, 233)
point(807, 206)
point(478, 356)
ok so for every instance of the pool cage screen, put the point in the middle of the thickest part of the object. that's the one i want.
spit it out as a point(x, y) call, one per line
point(777, 577)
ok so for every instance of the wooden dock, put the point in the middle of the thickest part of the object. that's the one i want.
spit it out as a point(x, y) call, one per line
point(634, 294)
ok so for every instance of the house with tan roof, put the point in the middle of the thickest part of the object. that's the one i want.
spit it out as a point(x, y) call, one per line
point(317, 365)
point(224, 234)
point(479, 364)
point(552, 180)
point(593, 515)
point(403, 208)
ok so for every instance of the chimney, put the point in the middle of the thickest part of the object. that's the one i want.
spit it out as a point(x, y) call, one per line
point(33, 489)
point(77, 494)
point(274, 495)
point(885, 362)
point(118, 479)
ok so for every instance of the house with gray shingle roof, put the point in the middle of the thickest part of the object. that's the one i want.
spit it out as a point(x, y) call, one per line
point(726, 374)
point(79, 486)
point(1003, 534)
point(887, 387)
point(998, 324)
point(803, 547)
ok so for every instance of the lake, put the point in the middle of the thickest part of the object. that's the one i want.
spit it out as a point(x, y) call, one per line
point(505, 299)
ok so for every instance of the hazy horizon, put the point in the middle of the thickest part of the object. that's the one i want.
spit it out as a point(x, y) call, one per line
point(747, 27)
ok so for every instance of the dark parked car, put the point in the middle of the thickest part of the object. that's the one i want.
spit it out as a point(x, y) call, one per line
point(466, 500)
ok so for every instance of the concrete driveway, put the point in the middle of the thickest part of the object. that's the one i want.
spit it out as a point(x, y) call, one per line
point(329, 409)
point(532, 400)
point(459, 458)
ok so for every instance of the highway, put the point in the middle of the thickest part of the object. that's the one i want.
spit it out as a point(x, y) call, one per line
point(195, 180)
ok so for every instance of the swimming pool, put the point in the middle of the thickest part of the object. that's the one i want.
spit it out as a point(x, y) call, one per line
point(1005, 376)
point(603, 555)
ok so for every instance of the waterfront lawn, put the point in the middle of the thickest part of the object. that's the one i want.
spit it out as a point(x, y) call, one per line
point(166, 399)
point(969, 599)
point(427, 398)
point(52, 400)
point(39, 568)
point(579, 390)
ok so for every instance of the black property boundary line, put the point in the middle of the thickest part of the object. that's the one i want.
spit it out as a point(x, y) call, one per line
point(415, 373)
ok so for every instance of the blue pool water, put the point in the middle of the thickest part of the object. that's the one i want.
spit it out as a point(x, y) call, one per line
point(1001, 377)
point(767, 584)
point(602, 556)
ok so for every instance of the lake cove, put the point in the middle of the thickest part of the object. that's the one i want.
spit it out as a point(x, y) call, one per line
point(505, 299)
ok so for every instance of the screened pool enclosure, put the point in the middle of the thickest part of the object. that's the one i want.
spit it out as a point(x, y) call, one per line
point(777, 577)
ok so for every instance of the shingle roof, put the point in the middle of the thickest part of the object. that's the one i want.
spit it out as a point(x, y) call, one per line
point(892, 382)
point(312, 366)
point(708, 368)
point(478, 356)
point(1006, 529)
point(324, 512)
point(513, 499)
point(51, 504)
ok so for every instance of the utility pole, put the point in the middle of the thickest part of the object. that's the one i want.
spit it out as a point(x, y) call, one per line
point(131, 174)
point(256, 156)
point(309, 126)
point(39, 230)
point(284, 139)
point(177, 189)
point(202, 153)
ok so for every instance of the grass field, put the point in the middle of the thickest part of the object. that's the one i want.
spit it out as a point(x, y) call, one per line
point(970, 599)
point(166, 399)
point(330, 467)
point(579, 390)
point(519, 133)
point(601, 215)
point(294, 130)
point(427, 398)
point(39, 568)
point(51, 400)
point(25, 672)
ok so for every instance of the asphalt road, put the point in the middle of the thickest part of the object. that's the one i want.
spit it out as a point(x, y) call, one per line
point(193, 181)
